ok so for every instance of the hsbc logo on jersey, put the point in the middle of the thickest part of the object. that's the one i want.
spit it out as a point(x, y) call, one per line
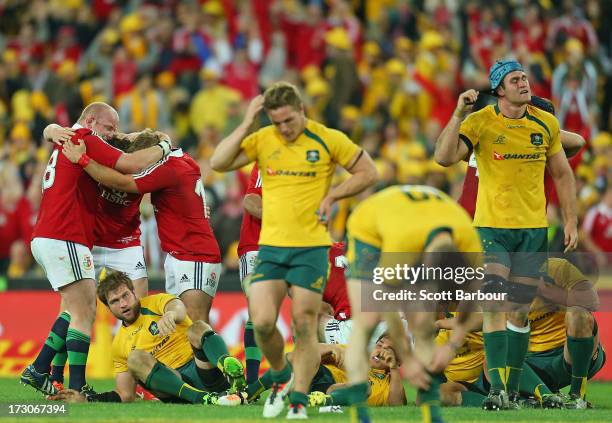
point(116, 197)
point(514, 156)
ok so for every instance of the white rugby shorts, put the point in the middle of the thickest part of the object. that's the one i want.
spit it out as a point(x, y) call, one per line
point(64, 262)
point(182, 276)
point(128, 260)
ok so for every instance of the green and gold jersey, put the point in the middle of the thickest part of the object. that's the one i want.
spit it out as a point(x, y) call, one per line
point(404, 218)
point(548, 321)
point(379, 381)
point(468, 362)
point(511, 155)
point(173, 350)
point(296, 177)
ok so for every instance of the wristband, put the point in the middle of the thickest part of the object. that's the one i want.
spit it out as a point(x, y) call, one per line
point(83, 160)
point(165, 146)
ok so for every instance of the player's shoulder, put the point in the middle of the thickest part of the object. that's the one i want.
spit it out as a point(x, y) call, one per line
point(543, 116)
point(316, 129)
point(481, 115)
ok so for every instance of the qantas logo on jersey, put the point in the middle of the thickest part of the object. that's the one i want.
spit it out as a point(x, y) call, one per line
point(282, 172)
point(116, 197)
point(514, 156)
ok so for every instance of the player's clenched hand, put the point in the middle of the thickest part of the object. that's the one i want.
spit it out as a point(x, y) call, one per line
point(465, 103)
point(415, 373)
point(68, 395)
point(325, 209)
point(388, 357)
point(73, 151)
point(571, 236)
point(254, 107)
point(166, 324)
point(59, 135)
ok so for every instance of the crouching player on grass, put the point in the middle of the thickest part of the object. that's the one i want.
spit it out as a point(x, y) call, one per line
point(159, 346)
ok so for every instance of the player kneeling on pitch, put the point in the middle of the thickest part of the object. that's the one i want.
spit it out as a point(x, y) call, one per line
point(159, 346)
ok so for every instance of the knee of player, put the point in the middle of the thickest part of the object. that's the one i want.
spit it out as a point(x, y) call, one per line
point(579, 321)
point(264, 324)
point(196, 331)
point(139, 360)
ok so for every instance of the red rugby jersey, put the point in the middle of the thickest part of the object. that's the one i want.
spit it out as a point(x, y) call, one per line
point(69, 200)
point(117, 219)
point(251, 226)
point(179, 201)
point(335, 291)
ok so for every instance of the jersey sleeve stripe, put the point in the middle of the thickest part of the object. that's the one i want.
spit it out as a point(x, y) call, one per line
point(468, 144)
point(315, 137)
point(258, 182)
point(539, 122)
point(151, 168)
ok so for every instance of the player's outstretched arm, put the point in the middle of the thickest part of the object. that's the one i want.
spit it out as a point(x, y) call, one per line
point(565, 183)
point(76, 153)
point(141, 159)
point(228, 155)
point(449, 147)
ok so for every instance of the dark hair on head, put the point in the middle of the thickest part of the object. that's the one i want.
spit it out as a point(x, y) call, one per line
point(383, 335)
point(118, 142)
point(147, 138)
point(282, 94)
point(113, 281)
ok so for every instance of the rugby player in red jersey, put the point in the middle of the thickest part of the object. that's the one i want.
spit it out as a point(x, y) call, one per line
point(63, 237)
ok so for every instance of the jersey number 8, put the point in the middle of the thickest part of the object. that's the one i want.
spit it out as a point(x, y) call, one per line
point(49, 175)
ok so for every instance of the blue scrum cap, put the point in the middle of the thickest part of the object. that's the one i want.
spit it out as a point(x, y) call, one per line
point(500, 69)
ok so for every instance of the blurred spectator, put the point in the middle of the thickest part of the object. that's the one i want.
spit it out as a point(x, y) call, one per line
point(597, 228)
point(144, 107)
point(209, 105)
point(571, 24)
point(574, 89)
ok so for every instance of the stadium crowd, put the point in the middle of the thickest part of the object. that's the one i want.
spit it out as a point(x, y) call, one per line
point(387, 73)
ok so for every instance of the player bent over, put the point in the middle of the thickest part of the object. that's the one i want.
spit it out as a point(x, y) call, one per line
point(159, 346)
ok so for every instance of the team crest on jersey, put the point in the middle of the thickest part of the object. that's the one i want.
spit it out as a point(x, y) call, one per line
point(87, 263)
point(212, 281)
point(500, 140)
point(318, 284)
point(153, 329)
point(537, 139)
point(312, 156)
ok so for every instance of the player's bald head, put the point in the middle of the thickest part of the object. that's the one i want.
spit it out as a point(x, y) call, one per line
point(101, 118)
point(97, 109)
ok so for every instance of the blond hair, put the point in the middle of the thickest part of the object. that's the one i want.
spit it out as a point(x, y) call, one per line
point(282, 94)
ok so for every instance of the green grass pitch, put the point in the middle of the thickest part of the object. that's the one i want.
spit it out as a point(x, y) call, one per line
point(600, 394)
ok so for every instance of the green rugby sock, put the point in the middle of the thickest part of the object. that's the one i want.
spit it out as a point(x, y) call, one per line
point(518, 342)
point(429, 400)
point(281, 376)
point(262, 384)
point(214, 348)
point(496, 350)
point(472, 399)
point(581, 351)
point(77, 346)
point(56, 342)
point(162, 379)
point(532, 384)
